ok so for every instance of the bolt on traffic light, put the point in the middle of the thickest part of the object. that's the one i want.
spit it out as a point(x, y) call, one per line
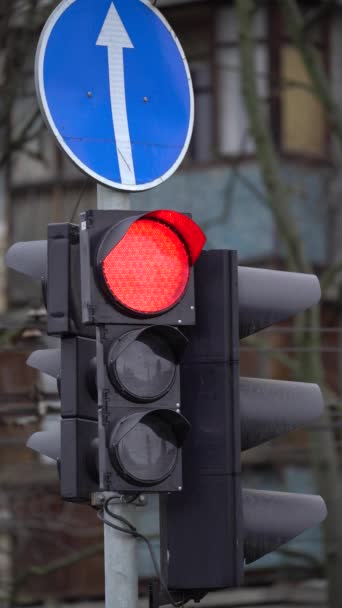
point(214, 525)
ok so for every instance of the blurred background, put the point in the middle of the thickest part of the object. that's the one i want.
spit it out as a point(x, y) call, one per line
point(263, 175)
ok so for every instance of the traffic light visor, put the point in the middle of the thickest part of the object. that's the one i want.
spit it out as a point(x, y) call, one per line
point(144, 446)
point(142, 363)
point(146, 270)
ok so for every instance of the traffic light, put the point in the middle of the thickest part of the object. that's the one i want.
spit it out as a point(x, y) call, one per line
point(210, 529)
point(76, 436)
point(126, 278)
point(148, 373)
point(137, 287)
point(73, 441)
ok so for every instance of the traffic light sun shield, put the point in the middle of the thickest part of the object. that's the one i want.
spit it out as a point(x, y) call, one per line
point(144, 446)
point(270, 408)
point(271, 519)
point(29, 258)
point(270, 296)
point(191, 234)
point(149, 381)
point(142, 364)
point(47, 361)
point(47, 443)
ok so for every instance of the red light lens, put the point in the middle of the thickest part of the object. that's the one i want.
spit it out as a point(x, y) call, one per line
point(148, 270)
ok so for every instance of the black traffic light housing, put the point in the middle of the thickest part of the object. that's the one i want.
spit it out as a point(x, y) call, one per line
point(138, 374)
point(201, 528)
point(210, 529)
point(103, 232)
point(126, 278)
point(139, 390)
point(75, 438)
point(73, 441)
point(137, 288)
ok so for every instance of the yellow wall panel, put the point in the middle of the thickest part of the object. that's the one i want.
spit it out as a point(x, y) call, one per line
point(303, 124)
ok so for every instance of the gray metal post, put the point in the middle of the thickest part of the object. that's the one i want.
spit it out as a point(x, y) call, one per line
point(121, 574)
point(112, 199)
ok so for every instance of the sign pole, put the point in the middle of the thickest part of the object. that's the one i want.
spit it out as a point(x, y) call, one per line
point(121, 573)
point(112, 199)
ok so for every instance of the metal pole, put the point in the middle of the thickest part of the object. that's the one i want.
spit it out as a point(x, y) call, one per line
point(121, 574)
point(112, 199)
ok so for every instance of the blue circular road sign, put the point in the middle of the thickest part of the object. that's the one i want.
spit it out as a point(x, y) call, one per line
point(115, 89)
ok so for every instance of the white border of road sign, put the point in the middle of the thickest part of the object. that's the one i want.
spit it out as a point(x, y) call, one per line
point(40, 90)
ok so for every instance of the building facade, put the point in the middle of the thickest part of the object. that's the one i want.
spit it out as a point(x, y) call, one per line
point(219, 182)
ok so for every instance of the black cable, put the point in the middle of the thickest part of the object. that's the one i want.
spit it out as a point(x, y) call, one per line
point(132, 531)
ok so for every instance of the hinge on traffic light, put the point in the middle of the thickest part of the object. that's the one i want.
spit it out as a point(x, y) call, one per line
point(103, 332)
point(105, 401)
point(91, 313)
point(107, 480)
point(89, 218)
point(74, 234)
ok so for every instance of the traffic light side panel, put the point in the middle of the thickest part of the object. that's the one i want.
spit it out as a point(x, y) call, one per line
point(202, 532)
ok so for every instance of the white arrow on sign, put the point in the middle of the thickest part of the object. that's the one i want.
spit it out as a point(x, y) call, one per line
point(114, 36)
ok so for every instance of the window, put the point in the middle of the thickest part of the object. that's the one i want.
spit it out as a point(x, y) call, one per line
point(302, 117)
point(210, 38)
point(298, 119)
point(233, 136)
point(194, 33)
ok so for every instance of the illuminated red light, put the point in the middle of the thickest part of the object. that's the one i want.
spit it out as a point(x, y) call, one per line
point(148, 270)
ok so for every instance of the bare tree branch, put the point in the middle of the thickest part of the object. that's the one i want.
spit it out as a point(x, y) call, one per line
point(329, 276)
point(51, 567)
point(313, 63)
point(318, 13)
point(276, 193)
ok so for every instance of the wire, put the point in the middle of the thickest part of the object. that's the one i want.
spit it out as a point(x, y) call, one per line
point(84, 187)
point(132, 531)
